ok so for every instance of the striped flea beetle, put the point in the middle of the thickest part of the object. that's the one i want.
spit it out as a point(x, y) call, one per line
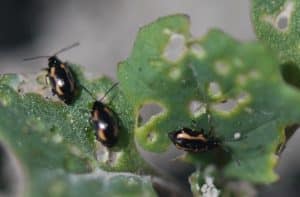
point(193, 141)
point(104, 121)
point(60, 76)
point(197, 141)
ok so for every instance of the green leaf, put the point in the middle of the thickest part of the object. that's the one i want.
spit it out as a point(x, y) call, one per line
point(215, 83)
point(46, 165)
point(54, 142)
point(207, 183)
point(191, 79)
point(99, 183)
point(277, 25)
point(202, 184)
point(71, 123)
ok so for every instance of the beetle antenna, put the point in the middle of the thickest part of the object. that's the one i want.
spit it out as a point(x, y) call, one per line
point(67, 48)
point(47, 56)
point(112, 87)
point(88, 91)
point(36, 57)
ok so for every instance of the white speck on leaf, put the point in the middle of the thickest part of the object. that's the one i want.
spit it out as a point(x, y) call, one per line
point(214, 89)
point(237, 135)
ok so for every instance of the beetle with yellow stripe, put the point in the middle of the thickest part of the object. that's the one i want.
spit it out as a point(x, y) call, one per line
point(104, 120)
point(106, 129)
point(196, 141)
point(60, 76)
point(193, 141)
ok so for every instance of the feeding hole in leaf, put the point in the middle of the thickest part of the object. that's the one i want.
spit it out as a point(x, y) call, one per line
point(291, 74)
point(148, 111)
point(222, 68)
point(226, 105)
point(151, 136)
point(231, 104)
point(37, 83)
point(243, 97)
point(282, 19)
point(197, 108)
point(176, 48)
point(214, 89)
point(282, 22)
point(12, 178)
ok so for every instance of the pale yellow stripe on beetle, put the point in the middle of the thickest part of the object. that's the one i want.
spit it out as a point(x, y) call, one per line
point(188, 137)
point(52, 72)
point(102, 135)
point(58, 90)
point(95, 116)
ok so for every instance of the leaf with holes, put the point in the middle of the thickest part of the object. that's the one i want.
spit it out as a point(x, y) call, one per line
point(39, 165)
point(53, 143)
point(213, 83)
point(277, 25)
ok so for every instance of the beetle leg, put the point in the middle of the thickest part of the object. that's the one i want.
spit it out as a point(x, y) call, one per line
point(47, 79)
point(53, 92)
